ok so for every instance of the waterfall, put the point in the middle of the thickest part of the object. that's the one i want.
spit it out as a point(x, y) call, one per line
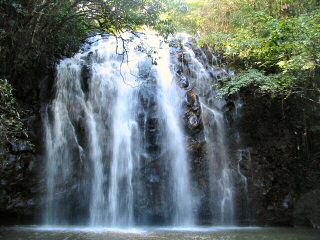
point(221, 178)
point(169, 100)
point(136, 134)
point(101, 136)
point(203, 74)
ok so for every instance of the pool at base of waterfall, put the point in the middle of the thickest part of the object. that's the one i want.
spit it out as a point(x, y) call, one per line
point(163, 233)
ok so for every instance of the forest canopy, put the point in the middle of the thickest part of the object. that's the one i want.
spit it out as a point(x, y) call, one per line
point(273, 44)
point(35, 34)
point(276, 38)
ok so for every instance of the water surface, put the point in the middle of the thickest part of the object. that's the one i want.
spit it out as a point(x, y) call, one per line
point(213, 233)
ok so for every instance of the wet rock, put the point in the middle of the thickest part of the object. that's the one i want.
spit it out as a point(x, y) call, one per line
point(85, 77)
point(193, 121)
point(307, 212)
point(152, 124)
point(183, 82)
point(20, 146)
point(145, 68)
point(192, 100)
point(30, 203)
point(31, 166)
point(16, 181)
point(278, 174)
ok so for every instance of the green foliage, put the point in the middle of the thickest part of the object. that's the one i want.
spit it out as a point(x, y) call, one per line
point(120, 15)
point(276, 45)
point(289, 47)
point(35, 33)
point(254, 78)
point(176, 15)
point(278, 38)
point(165, 28)
point(11, 126)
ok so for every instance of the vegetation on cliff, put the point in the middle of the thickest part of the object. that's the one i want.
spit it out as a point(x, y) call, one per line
point(277, 41)
point(273, 45)
point(35, 34)
point(11, 126)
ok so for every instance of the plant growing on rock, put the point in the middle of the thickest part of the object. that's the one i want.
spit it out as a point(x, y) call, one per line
point(11, 126)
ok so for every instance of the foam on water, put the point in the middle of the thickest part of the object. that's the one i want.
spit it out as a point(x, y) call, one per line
point(136, 230)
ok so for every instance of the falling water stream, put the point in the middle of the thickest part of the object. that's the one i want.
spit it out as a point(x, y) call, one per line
point(204, 74)
point(115, 139)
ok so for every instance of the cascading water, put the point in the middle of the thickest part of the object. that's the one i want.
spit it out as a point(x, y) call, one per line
point(113, 115)
point(221, 179)
point(169, 99)
point(136, 135)
point(203, 75)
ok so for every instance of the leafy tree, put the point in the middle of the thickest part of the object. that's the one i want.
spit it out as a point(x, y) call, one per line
point(276, 38)
point(34, 34)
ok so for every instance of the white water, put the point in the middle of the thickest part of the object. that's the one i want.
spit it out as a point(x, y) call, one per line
point(115, 143)
point(221, 182)
point(61, 138)
point(170, 103)
point(140, 231)
point(203, 76)
point(94, 143)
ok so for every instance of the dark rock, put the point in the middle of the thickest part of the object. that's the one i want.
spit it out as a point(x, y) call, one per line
point(279, 161)
point(193, 121)
point(276, 165)
point(183, 82)
point(85, 76)
point(307, 212)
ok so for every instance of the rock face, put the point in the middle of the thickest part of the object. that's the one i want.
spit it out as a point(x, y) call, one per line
point(274, 145)
point(150, 206)
point(19, 181)
point(153, 174)
point(279, 159)
point(273, 150)
point(307, 212)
